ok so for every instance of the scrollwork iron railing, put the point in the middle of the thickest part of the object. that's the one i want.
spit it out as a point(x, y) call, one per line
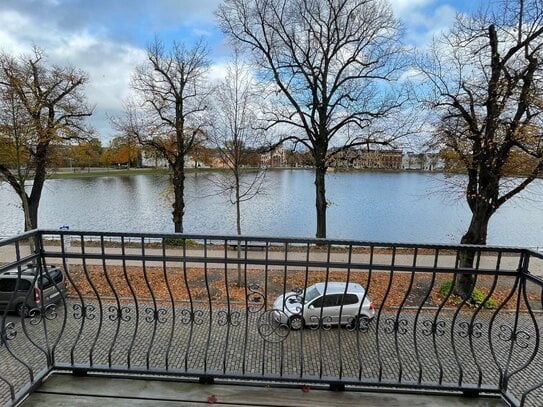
point(197, 306)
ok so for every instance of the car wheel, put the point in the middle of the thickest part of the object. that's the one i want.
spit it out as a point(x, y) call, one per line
point(362, 323)
point(22, 309)
point(296, 322)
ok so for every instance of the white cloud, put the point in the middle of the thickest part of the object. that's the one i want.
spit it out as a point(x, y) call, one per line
point(12, 20)
point(12, 23)
point(109, 66)
point(101, 37)
point(108, 63)
point(217, 71)
point(422, 19)
point(404, 8)
point(76, 43)
point(201, 32)
point(412, 74)
point(431, 24)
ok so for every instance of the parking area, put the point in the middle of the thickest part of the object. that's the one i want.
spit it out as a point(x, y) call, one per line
point(409, 348)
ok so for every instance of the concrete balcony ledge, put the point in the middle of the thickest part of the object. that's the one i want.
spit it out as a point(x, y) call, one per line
point(67, 390)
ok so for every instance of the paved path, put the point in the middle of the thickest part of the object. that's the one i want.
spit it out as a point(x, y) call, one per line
point(507, 262)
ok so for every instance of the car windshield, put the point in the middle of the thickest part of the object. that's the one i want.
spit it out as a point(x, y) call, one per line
point(310, 294)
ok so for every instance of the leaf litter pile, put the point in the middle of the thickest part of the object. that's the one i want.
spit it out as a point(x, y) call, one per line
point(219, 285)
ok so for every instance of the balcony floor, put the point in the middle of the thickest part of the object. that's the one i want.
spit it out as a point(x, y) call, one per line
point(67, 390)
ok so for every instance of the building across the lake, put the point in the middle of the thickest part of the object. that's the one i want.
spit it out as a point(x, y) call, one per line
point(160, 162)
point(378, 159)
point(346, 159)
point(274, 158)
point(422, 161)
point(386, 160)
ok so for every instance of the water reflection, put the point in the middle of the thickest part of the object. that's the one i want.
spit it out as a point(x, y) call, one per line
point(405, 207)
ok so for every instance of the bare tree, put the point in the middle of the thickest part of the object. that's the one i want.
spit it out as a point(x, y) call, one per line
point(167, 114)
point(41, 107)
point(331, 62)
point(487, 91)
point(236, 134)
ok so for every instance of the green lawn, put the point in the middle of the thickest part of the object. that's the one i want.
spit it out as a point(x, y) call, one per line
point(107, 172)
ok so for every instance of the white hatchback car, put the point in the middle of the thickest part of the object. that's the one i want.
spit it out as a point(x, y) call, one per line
point(324, 304)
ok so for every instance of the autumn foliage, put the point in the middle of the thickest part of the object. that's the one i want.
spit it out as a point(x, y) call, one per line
point(386, 289)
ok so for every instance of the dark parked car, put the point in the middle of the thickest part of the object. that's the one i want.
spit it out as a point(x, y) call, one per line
point(31, 290)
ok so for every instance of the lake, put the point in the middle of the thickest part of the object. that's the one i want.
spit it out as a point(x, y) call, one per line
point(386, 207)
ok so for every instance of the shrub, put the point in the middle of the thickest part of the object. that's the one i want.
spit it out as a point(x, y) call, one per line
point(477, 296)
point(178, 242)
point(445, 288)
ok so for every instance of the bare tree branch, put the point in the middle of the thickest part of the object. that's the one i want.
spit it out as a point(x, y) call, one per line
point(333, 64)
point(167, 114)
point(486, 82)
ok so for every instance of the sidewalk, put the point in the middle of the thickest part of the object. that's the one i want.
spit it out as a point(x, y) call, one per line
point(296, 259)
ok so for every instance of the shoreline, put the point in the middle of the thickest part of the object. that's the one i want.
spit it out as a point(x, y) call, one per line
point(96, 172)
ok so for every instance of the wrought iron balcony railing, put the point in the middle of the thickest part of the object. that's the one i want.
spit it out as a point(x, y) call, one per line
point(213, 307)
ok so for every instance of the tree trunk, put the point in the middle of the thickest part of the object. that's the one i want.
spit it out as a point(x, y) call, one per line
point(238, 209)
point(31, 213)
point(31, 221)
point(178, 199)
point(238, 229)
point(320, 190)
point(476, 234)
point(33, 201)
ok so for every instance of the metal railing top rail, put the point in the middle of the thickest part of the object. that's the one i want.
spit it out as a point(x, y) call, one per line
point(283, 243)
point(274, 239)
point(19, 257)
point(17, 238)
point(210, 251)
point(299, 263)
point(534, 253)
point(20, 262)
point(266, 243)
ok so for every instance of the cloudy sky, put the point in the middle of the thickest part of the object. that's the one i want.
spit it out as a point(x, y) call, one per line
point(107, 38)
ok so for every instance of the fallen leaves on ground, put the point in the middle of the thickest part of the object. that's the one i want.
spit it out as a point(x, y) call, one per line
point(221, 285)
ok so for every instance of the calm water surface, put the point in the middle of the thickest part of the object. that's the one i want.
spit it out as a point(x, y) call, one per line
point(397, 207)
